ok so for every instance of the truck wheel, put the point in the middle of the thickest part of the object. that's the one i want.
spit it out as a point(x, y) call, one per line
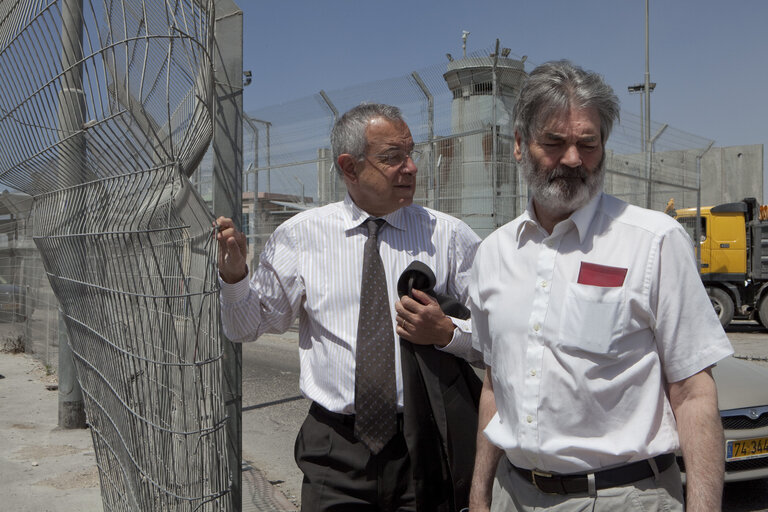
point(723, 305)
point(762, 311)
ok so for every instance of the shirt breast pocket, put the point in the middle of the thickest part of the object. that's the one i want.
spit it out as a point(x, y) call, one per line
point(591, 317)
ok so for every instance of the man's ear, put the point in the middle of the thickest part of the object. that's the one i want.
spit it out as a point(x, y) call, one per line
point(518, 148)
point(347, 164)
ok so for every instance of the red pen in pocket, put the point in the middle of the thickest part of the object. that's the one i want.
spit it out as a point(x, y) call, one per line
point(601, 275)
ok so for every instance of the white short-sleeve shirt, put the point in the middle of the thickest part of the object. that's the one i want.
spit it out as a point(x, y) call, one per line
point(583, 328)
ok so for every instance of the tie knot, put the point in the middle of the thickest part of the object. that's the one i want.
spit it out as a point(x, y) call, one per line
point(374, 225)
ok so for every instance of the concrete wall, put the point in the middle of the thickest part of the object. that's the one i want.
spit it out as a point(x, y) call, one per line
point(728, 174)
point(731, 174)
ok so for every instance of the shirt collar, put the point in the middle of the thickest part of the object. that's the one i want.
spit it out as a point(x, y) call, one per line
point(581, 218)
point(527, 220)
point(355, 216)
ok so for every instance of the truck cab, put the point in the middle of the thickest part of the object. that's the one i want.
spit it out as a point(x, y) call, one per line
point(722, 240)
point(732, 240)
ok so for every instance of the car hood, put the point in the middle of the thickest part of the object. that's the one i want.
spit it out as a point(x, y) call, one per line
point(740, 384)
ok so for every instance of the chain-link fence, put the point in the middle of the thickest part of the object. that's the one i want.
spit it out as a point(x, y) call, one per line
point(29, 311)
point(105, 109)
point(459, 113)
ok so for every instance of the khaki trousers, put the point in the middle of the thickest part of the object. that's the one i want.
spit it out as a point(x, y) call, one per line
point(511, 492)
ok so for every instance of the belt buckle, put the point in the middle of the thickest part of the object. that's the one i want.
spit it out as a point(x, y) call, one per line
point(543, 474)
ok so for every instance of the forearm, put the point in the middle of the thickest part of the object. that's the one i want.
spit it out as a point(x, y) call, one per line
point(245, 315)
point(701, 441)
point(487, 455)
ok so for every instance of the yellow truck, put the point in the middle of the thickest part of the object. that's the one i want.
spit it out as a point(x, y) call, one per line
point(733, 239)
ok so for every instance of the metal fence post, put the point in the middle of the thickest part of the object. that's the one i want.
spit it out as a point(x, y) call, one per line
point(697, 226)
point(335, 113)
point(430, 137)
point(71, 115)
point(227, 200)
point(650, 164)
point(495, 135)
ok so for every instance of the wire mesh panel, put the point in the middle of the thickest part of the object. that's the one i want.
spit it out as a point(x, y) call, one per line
point(105, 110)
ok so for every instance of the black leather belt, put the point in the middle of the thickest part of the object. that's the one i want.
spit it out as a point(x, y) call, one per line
point(573, 484)
point(348, 420)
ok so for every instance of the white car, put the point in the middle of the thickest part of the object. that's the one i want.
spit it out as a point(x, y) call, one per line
point(742, 392)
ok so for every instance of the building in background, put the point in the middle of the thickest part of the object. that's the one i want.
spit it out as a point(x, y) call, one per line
point(477, 156)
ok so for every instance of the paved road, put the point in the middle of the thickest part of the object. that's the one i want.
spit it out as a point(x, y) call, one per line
point(273, 411)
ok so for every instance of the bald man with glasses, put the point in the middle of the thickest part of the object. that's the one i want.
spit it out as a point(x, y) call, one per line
point(367, 442)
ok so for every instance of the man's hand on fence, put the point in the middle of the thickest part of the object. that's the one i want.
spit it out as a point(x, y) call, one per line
point(233, 249)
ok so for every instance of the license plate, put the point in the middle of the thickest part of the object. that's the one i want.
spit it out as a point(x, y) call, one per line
point(746, 449)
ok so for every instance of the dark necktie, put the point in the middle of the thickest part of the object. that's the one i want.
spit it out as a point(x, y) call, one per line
point(375, 390)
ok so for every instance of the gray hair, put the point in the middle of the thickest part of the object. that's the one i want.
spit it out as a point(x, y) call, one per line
point(348, 133)
point(553, 88)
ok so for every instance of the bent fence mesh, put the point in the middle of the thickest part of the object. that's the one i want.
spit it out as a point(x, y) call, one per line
point(105, 110)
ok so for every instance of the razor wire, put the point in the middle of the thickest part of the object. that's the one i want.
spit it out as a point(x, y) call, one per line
point(105, 110)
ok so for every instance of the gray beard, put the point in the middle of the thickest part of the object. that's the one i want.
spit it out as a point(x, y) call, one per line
point(561, 196)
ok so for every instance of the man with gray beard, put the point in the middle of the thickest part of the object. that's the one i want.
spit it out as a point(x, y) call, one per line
point(596, 331)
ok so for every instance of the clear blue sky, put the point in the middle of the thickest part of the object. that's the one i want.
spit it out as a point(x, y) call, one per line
point(709, 58)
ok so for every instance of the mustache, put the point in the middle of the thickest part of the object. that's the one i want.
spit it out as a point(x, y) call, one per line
point(567, 172)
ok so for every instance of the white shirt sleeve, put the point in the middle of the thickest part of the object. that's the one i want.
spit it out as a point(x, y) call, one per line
point(270, 301)
point(463, 247)
point(687, 330)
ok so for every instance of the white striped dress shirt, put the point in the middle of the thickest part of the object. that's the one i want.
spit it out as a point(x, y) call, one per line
point(311, 267)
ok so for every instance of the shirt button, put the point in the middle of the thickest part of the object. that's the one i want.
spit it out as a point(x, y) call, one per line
point(533, 373)
point(543, 284)
point(536, 327)
point(529, 419)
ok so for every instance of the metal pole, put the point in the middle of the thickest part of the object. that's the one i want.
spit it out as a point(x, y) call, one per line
point(71, 164)
point(227, 200)
point(330, 105)
point(301, 186)
point(494, 134)
point(653, 141)
point(430, 136)
point(335, 112)
point(642, 121)
point(269, 160)
point(697, 226)
point(250, 120)
point(647, 91)
point(255, 172)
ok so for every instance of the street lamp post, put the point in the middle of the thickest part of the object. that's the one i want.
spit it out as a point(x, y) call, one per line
point(640, 88)
point(646, 87)
point(645, 129)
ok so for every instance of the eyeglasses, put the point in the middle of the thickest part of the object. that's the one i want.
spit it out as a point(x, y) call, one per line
point(398, 158)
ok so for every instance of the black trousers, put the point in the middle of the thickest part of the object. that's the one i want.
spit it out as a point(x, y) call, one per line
point(341, 474)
